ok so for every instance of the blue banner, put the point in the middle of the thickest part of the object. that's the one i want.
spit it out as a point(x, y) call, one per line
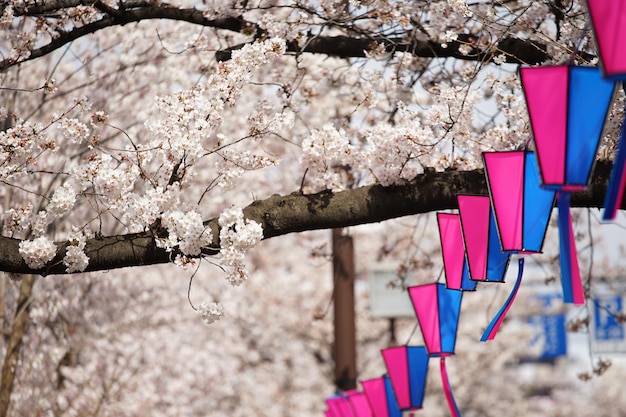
point(605, 326)
point(551, 339)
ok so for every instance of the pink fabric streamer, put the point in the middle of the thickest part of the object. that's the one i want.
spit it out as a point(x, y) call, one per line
point(571, 281)
point(493, 327)
point(579, 292)
point(454, 409)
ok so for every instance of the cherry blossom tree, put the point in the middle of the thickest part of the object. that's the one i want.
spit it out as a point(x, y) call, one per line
point(410, 64)
point(140, 132)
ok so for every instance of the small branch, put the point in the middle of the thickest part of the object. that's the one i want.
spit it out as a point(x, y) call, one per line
point(103, 7)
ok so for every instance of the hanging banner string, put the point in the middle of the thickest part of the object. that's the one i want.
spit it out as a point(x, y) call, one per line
point(570, 272)
point(454, 409)
point(492, 329)
point(615, 190)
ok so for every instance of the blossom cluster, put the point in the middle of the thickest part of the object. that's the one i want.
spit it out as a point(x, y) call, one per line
point(191, 116)
point(142, 210)
point(75, 258)
point(210, 312)
point(17, 219)
point(323, 153)
point(37, 252)
point(110, 180)
point(41, 250)
point(63, 200)
point(185, 231)
point(460, 7)
point(74, 130)
point(19, 148)
point(234, 164)
point(264, 119)
point(387, 153)
point(237, 236)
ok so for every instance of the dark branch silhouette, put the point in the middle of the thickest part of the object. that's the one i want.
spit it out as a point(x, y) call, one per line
point(515, 50)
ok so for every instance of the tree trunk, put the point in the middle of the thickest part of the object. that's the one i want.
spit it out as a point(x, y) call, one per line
point(9, 367)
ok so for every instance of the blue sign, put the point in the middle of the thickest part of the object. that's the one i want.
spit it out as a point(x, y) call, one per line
point(552, 335)
point(551, 340)
point(606, 327)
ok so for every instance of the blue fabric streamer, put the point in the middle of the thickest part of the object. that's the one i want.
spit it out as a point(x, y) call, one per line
point(493, 327)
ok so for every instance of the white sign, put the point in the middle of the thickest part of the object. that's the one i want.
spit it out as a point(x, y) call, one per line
point(608, 335)
point(386, 300)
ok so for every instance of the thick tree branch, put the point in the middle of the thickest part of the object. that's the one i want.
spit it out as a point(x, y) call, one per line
point(516, 50)
point(281, 215)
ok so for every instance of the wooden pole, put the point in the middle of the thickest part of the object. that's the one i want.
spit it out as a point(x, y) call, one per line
point(344, 317)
